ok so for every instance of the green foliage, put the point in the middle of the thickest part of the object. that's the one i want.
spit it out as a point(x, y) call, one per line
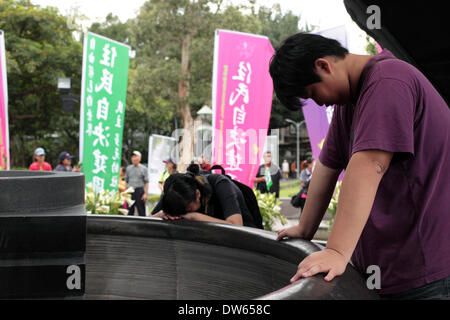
point(371, 47)
point(269, 206)
point(290, 191)
point(332, 207)
point(40, 48)
point(112, 28)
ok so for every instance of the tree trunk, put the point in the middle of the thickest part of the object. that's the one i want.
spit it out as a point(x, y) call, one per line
point(187, 142)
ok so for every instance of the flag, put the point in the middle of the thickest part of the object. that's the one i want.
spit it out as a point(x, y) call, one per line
point(268, 179)
point(241, 101)
point(4, 122)
point(103, 101)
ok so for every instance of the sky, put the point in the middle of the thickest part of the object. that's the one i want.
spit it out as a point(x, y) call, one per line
point(325, 14)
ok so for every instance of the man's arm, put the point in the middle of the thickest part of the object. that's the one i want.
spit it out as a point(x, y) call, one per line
point(260, 179)
point(145, 195)
point(321, 188)
point(359, 187)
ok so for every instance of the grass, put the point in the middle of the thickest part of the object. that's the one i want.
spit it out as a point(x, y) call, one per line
point(289, 192)
point(289, 189)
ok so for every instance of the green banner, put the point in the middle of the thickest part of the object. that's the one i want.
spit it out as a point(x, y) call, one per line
point(103, 100)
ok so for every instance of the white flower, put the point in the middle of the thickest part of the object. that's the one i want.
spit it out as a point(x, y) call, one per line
point(103, 209)
point(124, 211)
point(117, 203)
point(129, 190)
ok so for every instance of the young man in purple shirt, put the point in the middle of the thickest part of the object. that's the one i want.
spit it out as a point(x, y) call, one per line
point(391, 133)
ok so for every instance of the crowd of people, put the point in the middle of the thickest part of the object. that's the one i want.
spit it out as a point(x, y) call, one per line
point(64, 162)
point(135, 175)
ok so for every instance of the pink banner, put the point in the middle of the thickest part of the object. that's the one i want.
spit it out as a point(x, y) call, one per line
point(242, 101)
point(4, 132)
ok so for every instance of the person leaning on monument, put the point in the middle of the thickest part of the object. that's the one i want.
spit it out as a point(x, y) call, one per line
point(136, 176)
point(203, 197)
point(391, 132)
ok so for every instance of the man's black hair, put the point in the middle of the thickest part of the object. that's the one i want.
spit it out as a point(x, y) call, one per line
point(292, 66)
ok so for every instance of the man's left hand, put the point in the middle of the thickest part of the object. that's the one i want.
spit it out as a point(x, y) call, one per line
point(144, 197)
point(327, 261)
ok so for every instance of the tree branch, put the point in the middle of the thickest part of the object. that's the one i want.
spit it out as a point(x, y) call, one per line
point(29, 116)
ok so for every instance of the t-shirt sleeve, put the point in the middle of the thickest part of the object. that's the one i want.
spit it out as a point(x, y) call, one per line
point(161, 178)
point(145, 173)
point(127, 175)
point(330, 156)
point(384, 118)
point(303, 177)
point(227, 196)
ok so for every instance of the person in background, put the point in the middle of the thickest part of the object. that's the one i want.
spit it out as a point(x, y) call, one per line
point(171, 167)
point(269, 176)
point(39, 163)
point(65, 162)
point(294, 169)
point(122, 184)
point(204, 164)
point(285, 169)
point(305, 177)
point(136, 176)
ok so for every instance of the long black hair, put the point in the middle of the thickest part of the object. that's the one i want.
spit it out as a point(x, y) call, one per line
point(180, 190)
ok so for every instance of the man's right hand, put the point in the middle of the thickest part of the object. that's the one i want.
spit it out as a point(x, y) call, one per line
point(292, 232)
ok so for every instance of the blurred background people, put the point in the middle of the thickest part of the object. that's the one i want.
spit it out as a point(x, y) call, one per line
point(65, 162)
point(122, 184)
point(269, 176)
point(204, 164)
point(39, 163)
point(171, 167)
point(285, 169)
point(305, 178)
point(136, 176)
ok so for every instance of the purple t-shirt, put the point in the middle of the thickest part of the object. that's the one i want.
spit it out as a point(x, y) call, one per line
point(408, 231)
